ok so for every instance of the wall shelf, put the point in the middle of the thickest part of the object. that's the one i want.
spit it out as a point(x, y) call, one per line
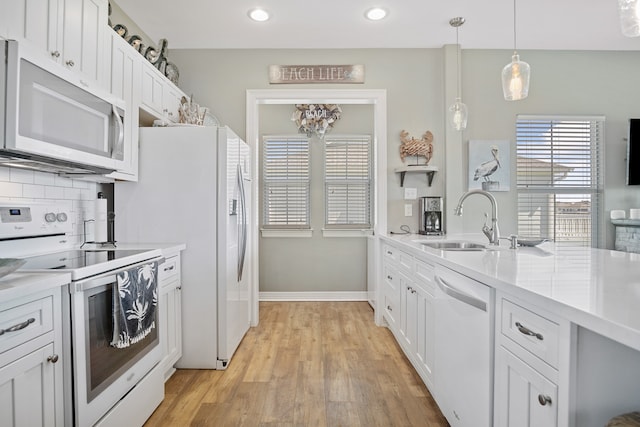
point(429, 170)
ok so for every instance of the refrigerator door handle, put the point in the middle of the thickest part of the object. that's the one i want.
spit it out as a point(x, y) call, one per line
point(242, 244)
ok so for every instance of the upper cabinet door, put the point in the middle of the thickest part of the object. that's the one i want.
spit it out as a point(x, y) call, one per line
point(84, 37)
point(35, 21)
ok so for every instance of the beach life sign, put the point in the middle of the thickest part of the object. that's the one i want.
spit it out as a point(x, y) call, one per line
point(300, 74)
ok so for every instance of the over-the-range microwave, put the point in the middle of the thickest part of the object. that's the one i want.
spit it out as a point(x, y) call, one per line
point(49, 122)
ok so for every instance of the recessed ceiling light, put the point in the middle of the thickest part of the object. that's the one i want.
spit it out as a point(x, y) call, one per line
point(376, 13)
point(259, 15)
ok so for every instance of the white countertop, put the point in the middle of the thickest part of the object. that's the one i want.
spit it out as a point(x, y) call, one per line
point(166, 248)
point(595, 288)
point(16, 285)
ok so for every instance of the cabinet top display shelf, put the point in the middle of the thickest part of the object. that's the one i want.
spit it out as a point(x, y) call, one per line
point(429, 170)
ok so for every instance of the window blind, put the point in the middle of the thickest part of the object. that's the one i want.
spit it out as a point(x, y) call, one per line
point(347, 177)
point(286, 181)
point(559, 178)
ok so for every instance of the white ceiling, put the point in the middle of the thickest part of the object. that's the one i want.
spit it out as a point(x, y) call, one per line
point(333, 24)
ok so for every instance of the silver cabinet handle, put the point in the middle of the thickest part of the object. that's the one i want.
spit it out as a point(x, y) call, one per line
point(389, 277)
point(53, 358)
point(389, 308)
point(544, 400)
point(389, 253)
point(55, 54)
point(169, 268)
point(70, 63)
point(19, 326)
point(526, 331)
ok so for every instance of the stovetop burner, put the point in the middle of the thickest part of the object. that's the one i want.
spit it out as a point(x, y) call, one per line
point(75, 259)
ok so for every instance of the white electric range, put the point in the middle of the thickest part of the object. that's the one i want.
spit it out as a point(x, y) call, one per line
point(102, 375)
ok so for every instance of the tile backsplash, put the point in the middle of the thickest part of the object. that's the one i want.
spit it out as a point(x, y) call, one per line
point(26, 185)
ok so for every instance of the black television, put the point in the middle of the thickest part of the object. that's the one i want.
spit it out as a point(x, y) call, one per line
point(633, 153)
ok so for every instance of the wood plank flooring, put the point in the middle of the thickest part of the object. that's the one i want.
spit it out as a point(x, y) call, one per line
point(305, 364)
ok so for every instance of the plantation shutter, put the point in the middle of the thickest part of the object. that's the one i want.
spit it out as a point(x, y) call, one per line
point(559, 178)
point(286, 182)
point(348, 184)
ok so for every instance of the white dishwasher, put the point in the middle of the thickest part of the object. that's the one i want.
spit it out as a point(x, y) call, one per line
point(463, 368)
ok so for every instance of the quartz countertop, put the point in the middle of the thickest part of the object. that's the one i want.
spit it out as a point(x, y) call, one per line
point(597, 289)
point(17, 285)
point(166, 248)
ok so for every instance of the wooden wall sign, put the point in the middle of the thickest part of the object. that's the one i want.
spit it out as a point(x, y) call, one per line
point(298, 74)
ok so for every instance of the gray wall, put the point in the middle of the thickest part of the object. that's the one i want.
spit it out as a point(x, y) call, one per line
point(316, 263)
point(585, 82)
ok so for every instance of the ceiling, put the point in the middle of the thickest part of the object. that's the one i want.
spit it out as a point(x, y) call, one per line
point(334, 24)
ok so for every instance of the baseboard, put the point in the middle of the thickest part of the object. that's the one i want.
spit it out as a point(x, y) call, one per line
point(314, 296)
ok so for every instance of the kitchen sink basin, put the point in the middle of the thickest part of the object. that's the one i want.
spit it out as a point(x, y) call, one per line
point(454, 246)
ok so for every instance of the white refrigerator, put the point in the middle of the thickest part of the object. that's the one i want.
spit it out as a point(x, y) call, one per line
point(194, 188)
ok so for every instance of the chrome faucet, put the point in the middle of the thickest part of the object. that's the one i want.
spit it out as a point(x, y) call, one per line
point(492, 233)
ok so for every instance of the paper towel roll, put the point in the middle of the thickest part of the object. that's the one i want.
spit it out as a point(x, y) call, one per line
point(100, 224)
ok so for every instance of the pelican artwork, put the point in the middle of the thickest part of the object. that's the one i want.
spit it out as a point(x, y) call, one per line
point(489, 167)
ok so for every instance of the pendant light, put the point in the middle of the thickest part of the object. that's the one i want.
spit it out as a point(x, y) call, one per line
point(629, 12)
point(515, 76)
point(458, 112)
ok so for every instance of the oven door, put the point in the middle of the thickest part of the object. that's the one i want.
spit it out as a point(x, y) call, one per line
point(103, 374)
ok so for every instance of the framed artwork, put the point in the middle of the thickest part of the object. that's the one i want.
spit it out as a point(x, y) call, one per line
point(489, 165)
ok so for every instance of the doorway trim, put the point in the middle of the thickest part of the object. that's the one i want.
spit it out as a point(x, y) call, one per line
point(257, 97)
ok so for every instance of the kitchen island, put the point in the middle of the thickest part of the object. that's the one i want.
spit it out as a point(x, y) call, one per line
point(566, 328)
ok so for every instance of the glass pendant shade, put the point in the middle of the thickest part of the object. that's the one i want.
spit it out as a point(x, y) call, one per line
point(629, 12)
point(515, 79)
point(458, 115)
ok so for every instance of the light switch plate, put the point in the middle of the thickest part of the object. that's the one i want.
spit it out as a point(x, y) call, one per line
point(408, 209)
point(410, 193)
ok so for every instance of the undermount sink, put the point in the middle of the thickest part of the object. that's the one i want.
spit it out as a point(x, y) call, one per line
point(454, 246)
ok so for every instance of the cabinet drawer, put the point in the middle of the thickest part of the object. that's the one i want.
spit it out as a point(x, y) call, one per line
point(389, 253)
point(391, 309)
point(391, 279)
point(424, 276)
point(538, 335)
point(406, 262)
point(169, 270)
point(25, 322)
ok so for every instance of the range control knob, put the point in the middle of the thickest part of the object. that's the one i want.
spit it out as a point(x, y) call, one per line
point(50, 217)
point(62, 217)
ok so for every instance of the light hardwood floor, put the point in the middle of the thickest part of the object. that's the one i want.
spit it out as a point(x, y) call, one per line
point(306, 364)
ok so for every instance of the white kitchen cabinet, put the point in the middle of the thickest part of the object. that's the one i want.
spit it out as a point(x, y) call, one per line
point(170, 313)
point(160, 97)
point(408, 307)
point(527, 398)
point(531, 366)
point(71, 32)
point(125, 74)
point(31, 356)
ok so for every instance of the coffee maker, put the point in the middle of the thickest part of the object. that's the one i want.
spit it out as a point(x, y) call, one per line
point(431, 218)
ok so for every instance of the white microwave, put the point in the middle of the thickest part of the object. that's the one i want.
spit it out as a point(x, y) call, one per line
point(50, 122)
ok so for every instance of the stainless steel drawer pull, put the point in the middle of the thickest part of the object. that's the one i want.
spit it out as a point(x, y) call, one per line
point(389, 253)
point(389, 308)
point(389, 277)
point(169, 268)
point(53, 358)
point(544, 400)
point(526, 331)
point(19, 326)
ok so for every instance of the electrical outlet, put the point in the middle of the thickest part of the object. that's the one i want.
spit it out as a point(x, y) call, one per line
point(408, 209)
point(410, 193)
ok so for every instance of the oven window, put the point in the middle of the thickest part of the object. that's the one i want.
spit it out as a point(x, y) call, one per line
point(107, 363)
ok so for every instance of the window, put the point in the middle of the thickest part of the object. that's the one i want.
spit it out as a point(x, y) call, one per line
point(559, 178)
point(347, 179)
point(286, 182)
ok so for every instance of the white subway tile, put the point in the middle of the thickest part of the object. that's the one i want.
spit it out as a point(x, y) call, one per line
point(51, 192)
point(10, 189)
point(33, 191)
point(44, 178)
point(23, 176)
point(76, 183)
point(61, 181)
point(4, 173)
